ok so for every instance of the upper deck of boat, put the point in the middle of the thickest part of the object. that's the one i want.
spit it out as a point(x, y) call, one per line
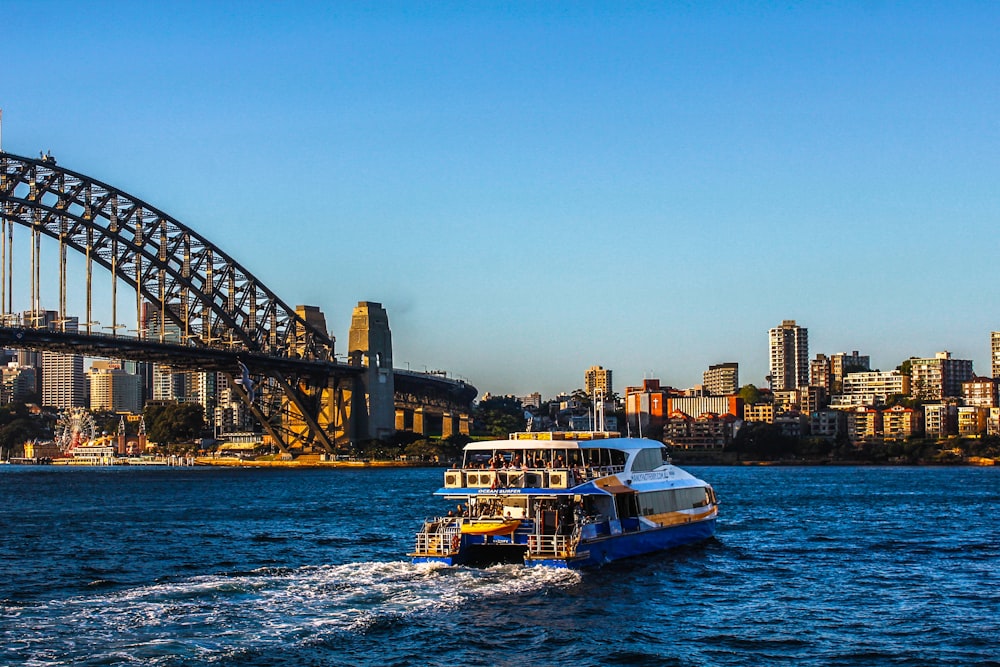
point(529, 440)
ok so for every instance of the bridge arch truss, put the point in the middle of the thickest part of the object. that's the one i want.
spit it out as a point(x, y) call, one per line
point(215, 303)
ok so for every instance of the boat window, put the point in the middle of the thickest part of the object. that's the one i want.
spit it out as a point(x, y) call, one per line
point(477, 460)
point(672, 500)
point(647, 459)
point(617, 457)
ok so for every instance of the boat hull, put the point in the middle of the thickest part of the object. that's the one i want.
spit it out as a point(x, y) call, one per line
point(591, 553)
point(604, 550)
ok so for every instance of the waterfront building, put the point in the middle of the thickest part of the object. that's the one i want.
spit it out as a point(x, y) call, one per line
point(791, 423)
point(789, 358)
point(707, 431)
point(597, 380)
point(981, 392)
point(972, 420)
point(863, 424)
point(722, 379)
point(41, 450)
point(871, 388)
point(899, 423)
point(939, 377)
point(828, 424)
point(940, 419)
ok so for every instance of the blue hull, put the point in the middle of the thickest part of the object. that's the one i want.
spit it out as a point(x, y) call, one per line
point(600, 551)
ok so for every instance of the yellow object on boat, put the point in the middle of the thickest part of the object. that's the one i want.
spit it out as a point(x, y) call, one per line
point(487, 527)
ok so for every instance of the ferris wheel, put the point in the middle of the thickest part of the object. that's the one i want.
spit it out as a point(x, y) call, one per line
point(76, 426)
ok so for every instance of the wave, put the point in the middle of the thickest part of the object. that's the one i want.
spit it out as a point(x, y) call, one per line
point(208, 617)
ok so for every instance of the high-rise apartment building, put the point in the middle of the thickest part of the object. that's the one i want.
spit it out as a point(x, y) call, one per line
point(995, 354)
point(722, 379)
point(63, 383)
point(939, 377)
point(842, 363)
point(820, 372)
point(597, 380)
point(789, 356)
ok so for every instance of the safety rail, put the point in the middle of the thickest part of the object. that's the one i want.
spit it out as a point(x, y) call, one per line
point(438, 539)
point(552, 546)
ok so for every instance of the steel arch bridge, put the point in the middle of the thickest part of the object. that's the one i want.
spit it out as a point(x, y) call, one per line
point(196, 307)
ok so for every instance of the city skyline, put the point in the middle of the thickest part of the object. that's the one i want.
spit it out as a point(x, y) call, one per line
point(537, 189)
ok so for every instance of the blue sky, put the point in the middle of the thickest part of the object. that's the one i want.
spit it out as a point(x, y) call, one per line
point(534, 188)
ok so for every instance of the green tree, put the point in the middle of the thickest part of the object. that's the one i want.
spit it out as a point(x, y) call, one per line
point(499, 416)
point(750, 394)
point(425, 450)
point(174, 422)
point(17, 426)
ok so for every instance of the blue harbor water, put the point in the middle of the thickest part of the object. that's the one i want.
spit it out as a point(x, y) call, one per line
point(810, 566)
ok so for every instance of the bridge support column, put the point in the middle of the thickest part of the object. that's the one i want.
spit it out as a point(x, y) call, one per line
point(447, 425)
point(419, 425)
point(463, 424)
point(370, 345)
point(400, 419)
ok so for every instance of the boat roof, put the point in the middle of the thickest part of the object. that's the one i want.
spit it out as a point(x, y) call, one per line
point(564, 440)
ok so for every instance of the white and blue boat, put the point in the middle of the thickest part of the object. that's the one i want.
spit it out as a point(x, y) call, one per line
point(574, 499)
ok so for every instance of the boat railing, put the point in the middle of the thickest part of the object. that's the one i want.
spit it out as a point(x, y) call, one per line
point(550, 546)
point(525, 478)
point(439, 537)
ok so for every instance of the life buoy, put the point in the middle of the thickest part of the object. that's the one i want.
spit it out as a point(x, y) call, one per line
point(455, 542)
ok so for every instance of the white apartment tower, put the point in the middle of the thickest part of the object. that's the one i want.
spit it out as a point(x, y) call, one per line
point(789, 356)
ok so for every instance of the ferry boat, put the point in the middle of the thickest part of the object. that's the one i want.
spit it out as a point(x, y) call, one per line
point(575, 499)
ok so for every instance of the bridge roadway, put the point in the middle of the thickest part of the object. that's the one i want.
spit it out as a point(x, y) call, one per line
point(174, 355)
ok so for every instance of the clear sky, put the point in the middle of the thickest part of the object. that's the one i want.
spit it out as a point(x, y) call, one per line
point(533, 188)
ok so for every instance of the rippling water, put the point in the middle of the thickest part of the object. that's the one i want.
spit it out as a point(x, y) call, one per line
point(811, 566)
